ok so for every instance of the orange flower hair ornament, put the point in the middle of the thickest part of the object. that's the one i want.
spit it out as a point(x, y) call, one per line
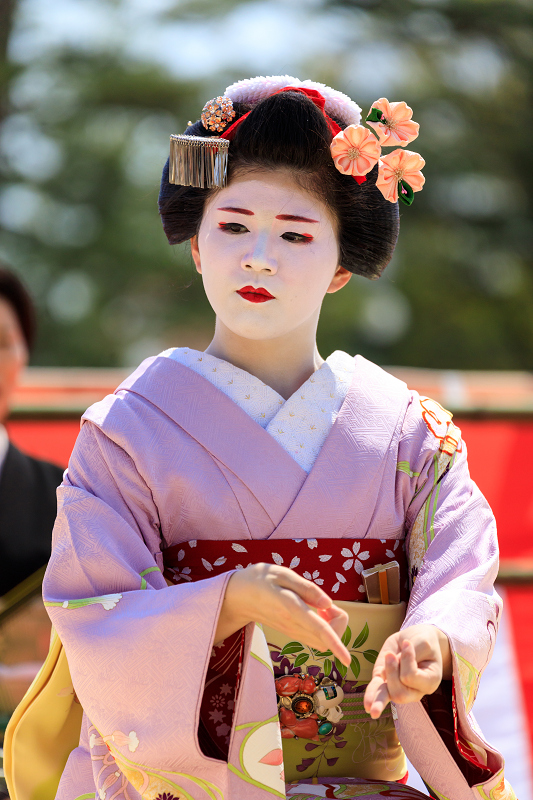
point(356, 150)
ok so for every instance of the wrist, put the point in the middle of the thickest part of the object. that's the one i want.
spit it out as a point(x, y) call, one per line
point(232, 616)
point(446, 654)
point(235, 599)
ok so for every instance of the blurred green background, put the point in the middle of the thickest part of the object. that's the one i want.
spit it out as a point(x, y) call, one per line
point(91, 89)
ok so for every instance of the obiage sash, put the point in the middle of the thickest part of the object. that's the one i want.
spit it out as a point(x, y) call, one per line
point(336, 565)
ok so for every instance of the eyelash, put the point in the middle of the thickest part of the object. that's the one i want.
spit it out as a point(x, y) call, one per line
point(302, 238)
point(229, 227)
point(236, 228)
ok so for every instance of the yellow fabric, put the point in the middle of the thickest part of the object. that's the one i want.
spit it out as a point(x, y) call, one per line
point(43, 731)
point(372, 748)
point(46, 725)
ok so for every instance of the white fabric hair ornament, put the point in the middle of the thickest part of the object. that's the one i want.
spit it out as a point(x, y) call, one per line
point(252, 90)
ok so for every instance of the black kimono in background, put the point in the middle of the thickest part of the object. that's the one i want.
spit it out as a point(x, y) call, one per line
point(27, 515)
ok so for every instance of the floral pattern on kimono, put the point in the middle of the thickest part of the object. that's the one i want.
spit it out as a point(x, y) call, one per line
point(169, 458)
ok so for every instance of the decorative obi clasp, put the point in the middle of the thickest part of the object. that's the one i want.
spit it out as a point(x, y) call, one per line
point(310, 702)
point(307, 707)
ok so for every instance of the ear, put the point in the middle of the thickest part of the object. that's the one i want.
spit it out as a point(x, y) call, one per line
point(195, 253)
point(340, 279)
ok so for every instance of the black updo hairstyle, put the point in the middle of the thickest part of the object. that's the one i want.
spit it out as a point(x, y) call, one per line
point(288, 131)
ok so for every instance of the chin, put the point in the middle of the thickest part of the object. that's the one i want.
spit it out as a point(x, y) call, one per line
point(256, 333)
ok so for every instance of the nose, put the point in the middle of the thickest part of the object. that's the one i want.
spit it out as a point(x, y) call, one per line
point(260, 258)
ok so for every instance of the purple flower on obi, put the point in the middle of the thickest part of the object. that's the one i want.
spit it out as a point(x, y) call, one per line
point(284, 666)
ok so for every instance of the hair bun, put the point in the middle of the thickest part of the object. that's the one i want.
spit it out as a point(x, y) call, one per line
point(287, 131)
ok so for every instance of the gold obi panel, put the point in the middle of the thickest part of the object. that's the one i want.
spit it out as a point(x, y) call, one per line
point(357, 746)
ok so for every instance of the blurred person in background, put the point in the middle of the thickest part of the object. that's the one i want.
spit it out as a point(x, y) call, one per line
point(27, 485)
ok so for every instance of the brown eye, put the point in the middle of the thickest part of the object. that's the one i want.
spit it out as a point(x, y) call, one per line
point(232, 227)
point(298, 238)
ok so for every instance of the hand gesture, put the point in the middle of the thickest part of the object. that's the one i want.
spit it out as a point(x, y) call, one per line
point(279, 597)
point(411, 664)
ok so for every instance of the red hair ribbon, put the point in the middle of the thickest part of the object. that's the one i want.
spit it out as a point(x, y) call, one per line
point(312, 94)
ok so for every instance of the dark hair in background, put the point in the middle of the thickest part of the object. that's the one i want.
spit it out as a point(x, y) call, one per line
point(13, 290)
point(287, 130)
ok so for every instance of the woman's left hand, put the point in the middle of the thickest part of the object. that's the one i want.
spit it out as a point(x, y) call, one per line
point(411, 664)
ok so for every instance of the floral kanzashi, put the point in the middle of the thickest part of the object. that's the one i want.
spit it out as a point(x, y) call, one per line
point(400, 176)
point(355, 151)
point(392, 123)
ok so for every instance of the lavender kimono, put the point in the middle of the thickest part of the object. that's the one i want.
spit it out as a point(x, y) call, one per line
point(168, 458)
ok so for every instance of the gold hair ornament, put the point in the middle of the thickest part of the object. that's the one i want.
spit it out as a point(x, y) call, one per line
point(198, 161)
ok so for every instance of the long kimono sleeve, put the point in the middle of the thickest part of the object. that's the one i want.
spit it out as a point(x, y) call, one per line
point(453, 553)
point(137, 649)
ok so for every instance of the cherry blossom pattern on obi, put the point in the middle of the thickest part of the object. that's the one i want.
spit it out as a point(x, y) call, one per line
point(333, 564)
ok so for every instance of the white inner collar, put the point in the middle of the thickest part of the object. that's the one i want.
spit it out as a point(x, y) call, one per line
point(299, 424)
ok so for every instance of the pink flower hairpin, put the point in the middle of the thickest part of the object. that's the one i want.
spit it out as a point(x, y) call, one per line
point(399, 176)
point(392, 123)
point(356, 150)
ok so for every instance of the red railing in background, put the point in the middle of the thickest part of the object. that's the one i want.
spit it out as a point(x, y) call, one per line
point(494, 411)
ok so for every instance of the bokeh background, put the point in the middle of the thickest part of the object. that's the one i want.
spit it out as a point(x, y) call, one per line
point(91, 89)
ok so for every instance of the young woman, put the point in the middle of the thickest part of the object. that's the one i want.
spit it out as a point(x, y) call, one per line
point(220, 508)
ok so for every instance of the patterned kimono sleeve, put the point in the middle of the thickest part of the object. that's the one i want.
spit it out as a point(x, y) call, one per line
point(137, 649)
point(453, 556)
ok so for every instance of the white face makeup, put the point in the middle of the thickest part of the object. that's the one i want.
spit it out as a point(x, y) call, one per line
point(268, 253)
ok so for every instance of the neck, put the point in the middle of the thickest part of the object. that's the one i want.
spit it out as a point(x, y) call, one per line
point(284, 364)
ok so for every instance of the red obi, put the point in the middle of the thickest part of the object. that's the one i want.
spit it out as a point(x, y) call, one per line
point(334, 564)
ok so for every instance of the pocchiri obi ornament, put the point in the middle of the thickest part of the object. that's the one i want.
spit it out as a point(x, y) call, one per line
point(308, 710)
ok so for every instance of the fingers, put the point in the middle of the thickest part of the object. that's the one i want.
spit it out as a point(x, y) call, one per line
point(333, 631)
point(406, 681)
point(281, 599)
point(423, 677)
point(337, 618)
point(387, 683)
point(315, 631)
point(405, 670)
point(376, 697)
point(398, 692)
point(310, 593)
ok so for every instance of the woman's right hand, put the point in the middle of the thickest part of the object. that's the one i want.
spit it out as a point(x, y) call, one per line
point(282, 599)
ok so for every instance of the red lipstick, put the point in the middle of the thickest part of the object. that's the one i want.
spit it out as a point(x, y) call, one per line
point(254, 295)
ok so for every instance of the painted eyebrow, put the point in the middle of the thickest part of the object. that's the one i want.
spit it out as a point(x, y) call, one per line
point(284, 217)
point(238, 210)
point(294, 218)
